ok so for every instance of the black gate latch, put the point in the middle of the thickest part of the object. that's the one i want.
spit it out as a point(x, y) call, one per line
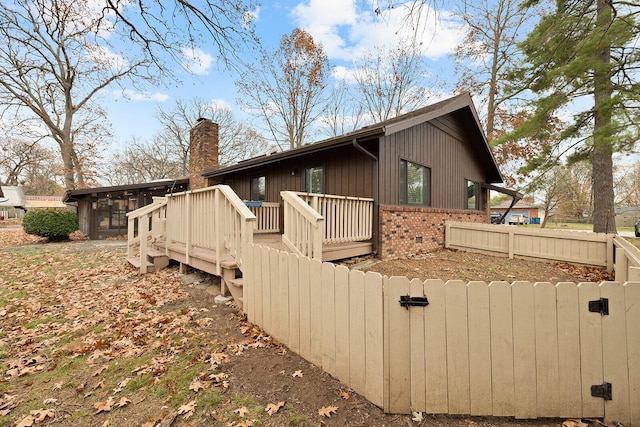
point(603, 390)
point(406, 301)
point(600, 306)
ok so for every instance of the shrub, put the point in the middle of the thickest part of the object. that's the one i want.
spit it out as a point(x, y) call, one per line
point(54, 225)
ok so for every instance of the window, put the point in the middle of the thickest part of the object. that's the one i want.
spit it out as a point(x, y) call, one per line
point(415, 184)
point(258, 188)
point(472, 194)
point(314, 180)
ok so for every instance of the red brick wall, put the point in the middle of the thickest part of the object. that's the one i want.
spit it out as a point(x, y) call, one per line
point(408, 230)
point(203, 153)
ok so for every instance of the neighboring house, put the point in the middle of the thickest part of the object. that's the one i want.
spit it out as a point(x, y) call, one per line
point(102, 210)
point(421, 169)
point(12, 202)
point(626, 216)
point(525, 207)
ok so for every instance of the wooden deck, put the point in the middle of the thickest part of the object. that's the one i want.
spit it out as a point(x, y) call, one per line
point(330, 252)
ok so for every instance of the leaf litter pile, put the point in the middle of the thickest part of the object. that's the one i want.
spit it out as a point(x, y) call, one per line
point(85, 341)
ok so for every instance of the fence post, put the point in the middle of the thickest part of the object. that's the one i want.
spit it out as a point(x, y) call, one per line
point(610, 249)
point(621, 266)
point(511, 243)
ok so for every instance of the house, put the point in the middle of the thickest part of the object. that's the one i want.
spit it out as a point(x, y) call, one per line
point(102, 210)
point(626, 216)
point(420, 169)
point(525, 207)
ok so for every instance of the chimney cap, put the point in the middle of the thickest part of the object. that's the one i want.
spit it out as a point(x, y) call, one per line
point(201, 119)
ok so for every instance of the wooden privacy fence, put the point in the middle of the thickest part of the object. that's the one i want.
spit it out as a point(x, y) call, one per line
point(510, 240)
point(521, 349)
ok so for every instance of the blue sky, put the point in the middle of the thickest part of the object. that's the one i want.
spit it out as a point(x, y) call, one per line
point(346, 28)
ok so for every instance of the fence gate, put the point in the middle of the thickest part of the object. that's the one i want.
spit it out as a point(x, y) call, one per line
point(524, 350)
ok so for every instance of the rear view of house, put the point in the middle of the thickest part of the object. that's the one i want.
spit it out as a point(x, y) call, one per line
point(419, 170)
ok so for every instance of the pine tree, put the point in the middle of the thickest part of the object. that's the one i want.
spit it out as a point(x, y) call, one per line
point(582, 61)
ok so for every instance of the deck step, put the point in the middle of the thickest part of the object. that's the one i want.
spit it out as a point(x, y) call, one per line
point(135, 261)
point(159, 259)
point(236, 282)
point(153, 252)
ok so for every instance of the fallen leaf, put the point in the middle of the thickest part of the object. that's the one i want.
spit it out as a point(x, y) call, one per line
point(241, 411)
point(27, 421)
point(272, 408)
point(417, 417)
point(50, 401)
point(344, 395)
point(197, 386)
point(103, 406)
point(187, 409)
point(246, 423)
point(105, 424)
point(123, 402)
point(41, 414)
point(574, 423)
point(100, 370)
point(81, 386)
point(326, 411)
point(297, 374)
point(58, 386)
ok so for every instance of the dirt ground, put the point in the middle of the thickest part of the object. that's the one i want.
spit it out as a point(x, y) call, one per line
point(84, 341)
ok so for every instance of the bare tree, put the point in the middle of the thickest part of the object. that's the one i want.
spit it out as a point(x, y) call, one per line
point(391, 80)
point(17, 156)
point(285, 88)
point(54, 61)
point(236, 140)
point(343, 112)
point(483, 60)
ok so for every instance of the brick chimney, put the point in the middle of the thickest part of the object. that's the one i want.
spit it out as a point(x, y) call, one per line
point(203, 151)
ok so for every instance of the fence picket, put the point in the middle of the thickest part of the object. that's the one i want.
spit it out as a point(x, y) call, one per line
point(280, 299)
point(479, 348)
point(357, 332)
point(315, 311)
point(274, 279)
point(342, 323)
point(457, 347)
point(293, 306)
point(328, 318)
point(374, 342)
point(614, 341)
point(546, 351)
point(397, 343)
point(524, 358)
point(632, 302)
point(502, 366)
point(569, 394)
point(590, 350)
point(418, 364)
point(435, 348)
point(304, 291)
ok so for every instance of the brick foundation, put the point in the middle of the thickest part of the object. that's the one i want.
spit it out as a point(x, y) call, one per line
point(407, 230)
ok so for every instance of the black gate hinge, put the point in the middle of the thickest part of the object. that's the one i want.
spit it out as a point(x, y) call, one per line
point(603, 390)
point(406, 301)
point(600, 306)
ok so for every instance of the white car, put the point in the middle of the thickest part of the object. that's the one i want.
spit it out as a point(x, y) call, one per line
point(517, 219)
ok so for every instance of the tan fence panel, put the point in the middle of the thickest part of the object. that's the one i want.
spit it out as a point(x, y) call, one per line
point(418, 362)
point(614, 344)
point(502, 366)
point(570, 391)
point(295, 302)
point(479, 348)
point(397, 348)
point(546, 338)
point(304, 311)
point(590, 350)
point(282, 298)
point(374, 343)
point(357, 332)
point(524, 349)
point(342, 324)
point(632, 309)
point(435, 348)
point(457, 347)
point(328, 318)
point(316, 304)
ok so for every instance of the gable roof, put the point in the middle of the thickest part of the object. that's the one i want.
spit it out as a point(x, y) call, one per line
point(78, 194)
point(462, 103)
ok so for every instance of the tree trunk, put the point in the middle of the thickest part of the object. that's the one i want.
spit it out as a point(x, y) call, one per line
point(603, 197)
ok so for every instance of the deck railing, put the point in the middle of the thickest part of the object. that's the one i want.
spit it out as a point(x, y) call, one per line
point(211, 218)
point(267, 217)
point(303, 226)
point(346, 219)
point(150, 223)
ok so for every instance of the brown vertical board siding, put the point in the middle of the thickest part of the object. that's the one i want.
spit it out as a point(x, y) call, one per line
point(438, 145)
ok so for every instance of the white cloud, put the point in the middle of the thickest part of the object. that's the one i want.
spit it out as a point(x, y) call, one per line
point(196, 60)
point(346, 30)
point(220, 104)
point(144, 96)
